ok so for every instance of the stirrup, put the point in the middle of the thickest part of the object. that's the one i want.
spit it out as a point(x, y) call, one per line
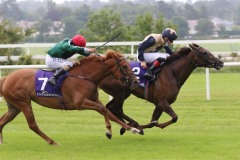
point(149, 76)
point(52, 81)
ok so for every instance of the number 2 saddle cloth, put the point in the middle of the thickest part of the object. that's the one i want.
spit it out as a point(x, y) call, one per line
point(139, 72)
point(44, 89)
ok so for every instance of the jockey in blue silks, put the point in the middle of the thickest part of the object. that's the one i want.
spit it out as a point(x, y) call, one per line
point(147, 50)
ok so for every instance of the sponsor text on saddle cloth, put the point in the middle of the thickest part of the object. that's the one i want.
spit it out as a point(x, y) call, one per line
point(44, 89)
point(139, 72)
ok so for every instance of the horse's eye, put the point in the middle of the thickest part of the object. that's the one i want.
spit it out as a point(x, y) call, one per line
point(125, 67)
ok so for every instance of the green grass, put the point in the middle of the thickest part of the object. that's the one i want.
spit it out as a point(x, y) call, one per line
point(206, 130)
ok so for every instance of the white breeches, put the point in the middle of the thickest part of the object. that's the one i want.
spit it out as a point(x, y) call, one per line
point(151, 57)
point(57, 62)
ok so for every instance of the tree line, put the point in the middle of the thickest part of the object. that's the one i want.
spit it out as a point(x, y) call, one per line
point(99, 21)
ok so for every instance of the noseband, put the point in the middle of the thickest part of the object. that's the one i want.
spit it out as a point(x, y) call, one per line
point(205, 58)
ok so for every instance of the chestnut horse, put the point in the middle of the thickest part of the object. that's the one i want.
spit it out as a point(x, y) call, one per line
point(164, 90)
point(79, 91)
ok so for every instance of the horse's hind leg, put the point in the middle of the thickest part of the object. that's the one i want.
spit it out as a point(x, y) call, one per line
point(27, 111)
point(7, 117)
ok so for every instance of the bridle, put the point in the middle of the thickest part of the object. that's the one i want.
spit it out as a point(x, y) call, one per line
point(204, 57)
point(126, 78)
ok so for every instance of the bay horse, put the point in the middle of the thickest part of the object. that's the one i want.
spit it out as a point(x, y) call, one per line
point(79, 91)
point(165, 89)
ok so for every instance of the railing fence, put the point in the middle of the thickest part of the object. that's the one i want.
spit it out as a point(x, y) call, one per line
point(208, 96)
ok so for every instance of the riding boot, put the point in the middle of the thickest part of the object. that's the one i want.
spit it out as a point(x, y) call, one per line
point(56, 75)
point(149, 73)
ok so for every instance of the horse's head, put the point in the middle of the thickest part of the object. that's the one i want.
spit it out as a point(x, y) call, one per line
point(205, 58)
point(122, 70)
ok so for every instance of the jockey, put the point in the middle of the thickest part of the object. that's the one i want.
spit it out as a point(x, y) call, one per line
point(147, 50)
point(58, 55)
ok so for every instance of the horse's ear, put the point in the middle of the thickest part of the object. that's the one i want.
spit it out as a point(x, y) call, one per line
point(184, 50)
point(194, 46)
point(109, 53)
point(187, 49)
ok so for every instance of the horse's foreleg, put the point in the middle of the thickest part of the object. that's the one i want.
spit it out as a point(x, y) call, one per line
point(6, 118)
point(155, 116)
point(123, 124)
point(114, 107)
point(99, 107)
point(27, 111)
point(165, 106)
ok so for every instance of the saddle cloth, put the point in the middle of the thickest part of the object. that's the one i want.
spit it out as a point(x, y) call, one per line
point(139, 72)
point(44, 89)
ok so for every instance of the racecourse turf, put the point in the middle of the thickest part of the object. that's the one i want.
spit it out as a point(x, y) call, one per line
point(205, 130)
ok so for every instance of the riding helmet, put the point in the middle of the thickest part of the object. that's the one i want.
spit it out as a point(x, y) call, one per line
point(170, 33)
point(79, 40)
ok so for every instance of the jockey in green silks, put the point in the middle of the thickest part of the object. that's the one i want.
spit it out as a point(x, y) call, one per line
point(57, 56)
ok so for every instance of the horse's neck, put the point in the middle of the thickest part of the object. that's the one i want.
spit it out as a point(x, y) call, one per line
point(183, 67)
point(95, 73)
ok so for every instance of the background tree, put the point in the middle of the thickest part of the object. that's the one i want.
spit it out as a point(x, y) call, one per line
point(144, 25)
point(204, 27)
point(164, 8)
point(203, 12)
point(102, 25)
point(188, 12)
point(10, 10)
point(11, 34)
point(44, 27)
point(236, 15)
point(72, 26)
point(182, 26)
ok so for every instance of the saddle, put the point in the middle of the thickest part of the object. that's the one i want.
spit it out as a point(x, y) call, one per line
point(44, 89)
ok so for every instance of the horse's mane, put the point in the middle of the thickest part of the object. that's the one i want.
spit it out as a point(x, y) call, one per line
point(100, 58)
point(178, 54)
point(110, 53)
point(92, 57)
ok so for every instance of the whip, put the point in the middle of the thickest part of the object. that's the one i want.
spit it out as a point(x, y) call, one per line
point(109, 41)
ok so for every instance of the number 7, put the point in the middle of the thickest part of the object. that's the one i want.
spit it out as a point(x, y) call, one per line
point(44, 82)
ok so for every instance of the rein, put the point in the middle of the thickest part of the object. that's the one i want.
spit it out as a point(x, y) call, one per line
point(81, 77)
point(179, 82)
point(118, 66)
point(123, 79)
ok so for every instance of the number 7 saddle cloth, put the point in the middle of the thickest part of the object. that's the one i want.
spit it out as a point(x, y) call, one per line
point(44, 89)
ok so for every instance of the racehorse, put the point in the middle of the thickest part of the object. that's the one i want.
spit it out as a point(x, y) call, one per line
point(163, 91)
point(79, 91)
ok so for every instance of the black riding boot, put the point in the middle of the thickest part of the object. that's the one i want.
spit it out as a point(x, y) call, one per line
point(149, 73)
point(56, 75)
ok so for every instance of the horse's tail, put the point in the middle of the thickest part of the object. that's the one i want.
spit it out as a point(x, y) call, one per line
point(1, 84)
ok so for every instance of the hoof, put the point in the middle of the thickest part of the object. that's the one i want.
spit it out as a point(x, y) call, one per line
point(141, 132)
point(154, 123)
point(135, 130)
point(122, 131)
point(109, 135)
point(55, 144)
